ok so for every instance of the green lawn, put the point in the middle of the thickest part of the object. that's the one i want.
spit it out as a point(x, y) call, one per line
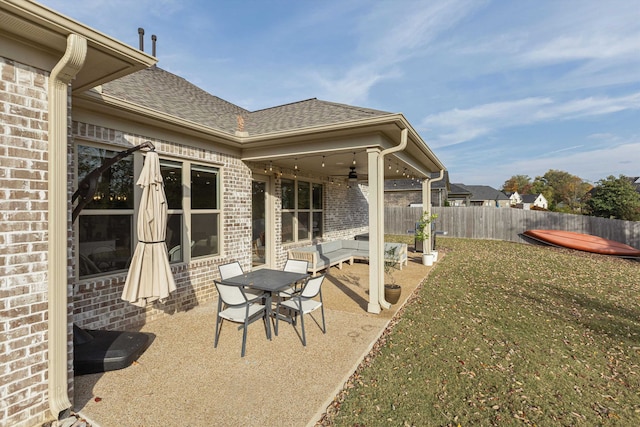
point(507, 334)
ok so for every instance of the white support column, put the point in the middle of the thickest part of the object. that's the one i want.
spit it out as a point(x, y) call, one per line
point(376, 269)
point(426, 207)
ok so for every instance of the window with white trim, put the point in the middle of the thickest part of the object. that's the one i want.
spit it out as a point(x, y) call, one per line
point(205, 211)
point(302, 210)
point(106, 226)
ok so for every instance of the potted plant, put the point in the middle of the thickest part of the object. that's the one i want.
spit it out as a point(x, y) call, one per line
point(422, 233)
point(392, 290)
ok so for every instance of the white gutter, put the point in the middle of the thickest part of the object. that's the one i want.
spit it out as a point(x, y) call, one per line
point(376, 234)
point(58, 93)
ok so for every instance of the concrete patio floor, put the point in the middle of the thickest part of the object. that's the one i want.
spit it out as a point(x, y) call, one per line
point(183, 380)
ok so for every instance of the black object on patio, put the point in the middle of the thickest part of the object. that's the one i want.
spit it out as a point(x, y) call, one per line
point(97, 351)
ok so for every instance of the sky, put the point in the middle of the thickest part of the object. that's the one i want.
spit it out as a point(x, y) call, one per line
point(494, 88)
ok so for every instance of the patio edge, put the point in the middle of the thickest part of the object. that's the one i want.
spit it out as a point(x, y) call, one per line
point(317, 418)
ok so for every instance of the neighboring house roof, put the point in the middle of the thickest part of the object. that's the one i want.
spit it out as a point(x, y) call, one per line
point(402, 185)
point(458, 190)
point(163, 91)
point(529, 198)
point(484, 192)
point(634, 182)
point(416, 185)
point(443, 183)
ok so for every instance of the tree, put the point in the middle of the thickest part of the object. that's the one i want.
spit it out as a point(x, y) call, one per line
point(563, 190)
point(614, 198)
point(519, 183)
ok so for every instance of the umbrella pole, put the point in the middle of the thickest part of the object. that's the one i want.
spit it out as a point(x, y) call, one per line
point(87, 188)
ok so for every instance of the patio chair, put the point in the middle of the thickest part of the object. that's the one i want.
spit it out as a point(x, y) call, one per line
point(295, 266)
point(239, 309)
point(303, 302)
point(234, 269)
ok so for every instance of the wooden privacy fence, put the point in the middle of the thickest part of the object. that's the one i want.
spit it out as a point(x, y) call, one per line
point(508, 224)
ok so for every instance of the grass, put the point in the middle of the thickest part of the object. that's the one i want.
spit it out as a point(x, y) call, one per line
point(506, 334)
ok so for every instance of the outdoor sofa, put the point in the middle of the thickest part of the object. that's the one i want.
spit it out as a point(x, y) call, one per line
point(328, 254)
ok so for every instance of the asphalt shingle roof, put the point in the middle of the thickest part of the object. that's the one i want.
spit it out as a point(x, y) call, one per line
point(161, 90)
point(484, 192)
point(529, 198)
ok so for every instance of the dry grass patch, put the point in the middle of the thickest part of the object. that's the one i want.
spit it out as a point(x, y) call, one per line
point(507, 334)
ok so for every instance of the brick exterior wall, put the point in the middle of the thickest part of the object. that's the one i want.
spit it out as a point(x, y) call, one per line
point(97, 303)
point(23, 239)
point(402, 198)
point(347, 211)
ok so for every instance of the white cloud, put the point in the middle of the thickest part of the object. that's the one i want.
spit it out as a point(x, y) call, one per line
point(456, 126)
point(387, 39)
point(590, 165)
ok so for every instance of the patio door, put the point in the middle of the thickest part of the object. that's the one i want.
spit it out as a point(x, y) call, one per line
point(261, 235)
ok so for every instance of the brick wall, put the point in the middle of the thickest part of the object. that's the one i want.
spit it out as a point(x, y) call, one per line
point(23, 239)
point(97, 303)
point(347, 211)
point(402, 198)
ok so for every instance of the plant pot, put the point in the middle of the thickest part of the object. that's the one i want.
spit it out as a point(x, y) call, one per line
point(427, 259)
point(392, 293)
point(435, 256)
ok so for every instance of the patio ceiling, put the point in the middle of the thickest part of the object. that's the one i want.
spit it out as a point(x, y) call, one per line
point(331, 151)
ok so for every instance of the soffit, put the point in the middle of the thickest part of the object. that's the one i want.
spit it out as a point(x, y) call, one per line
point(41, 28)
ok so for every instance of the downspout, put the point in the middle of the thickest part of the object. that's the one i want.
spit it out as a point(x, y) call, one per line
point(380, 223)
point(426, 206)
point(58, 216)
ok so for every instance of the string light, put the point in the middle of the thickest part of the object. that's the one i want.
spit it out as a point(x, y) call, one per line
point(354, 158)
point(270, 166)
point(295, 166)
point(322, 161)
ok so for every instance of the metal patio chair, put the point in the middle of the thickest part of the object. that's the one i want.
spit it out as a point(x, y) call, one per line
point(303, 302)
point(233, 269)
point(238, 309)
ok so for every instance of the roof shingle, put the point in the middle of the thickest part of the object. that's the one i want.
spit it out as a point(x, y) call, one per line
point(163, 91)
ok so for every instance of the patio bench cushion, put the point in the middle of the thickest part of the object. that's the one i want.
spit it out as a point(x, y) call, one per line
point(325, 255)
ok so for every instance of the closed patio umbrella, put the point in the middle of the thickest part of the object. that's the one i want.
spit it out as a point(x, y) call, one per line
point(149, 277)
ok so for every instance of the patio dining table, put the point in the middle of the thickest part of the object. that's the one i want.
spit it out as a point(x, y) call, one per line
point(269, 280)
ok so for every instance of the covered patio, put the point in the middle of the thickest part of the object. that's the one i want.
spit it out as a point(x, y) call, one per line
point(182, 380)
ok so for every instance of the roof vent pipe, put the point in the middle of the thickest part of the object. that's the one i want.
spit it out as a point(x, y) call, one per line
point(141, 36)
point(153, 45)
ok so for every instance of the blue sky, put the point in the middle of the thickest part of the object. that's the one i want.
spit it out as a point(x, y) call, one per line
point(495, 88)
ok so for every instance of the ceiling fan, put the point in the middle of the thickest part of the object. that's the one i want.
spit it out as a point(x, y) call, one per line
point(352, 176)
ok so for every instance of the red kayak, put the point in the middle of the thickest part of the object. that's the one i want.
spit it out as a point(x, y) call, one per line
point(583, 242)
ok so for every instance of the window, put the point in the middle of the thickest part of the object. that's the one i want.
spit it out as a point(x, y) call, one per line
point(205, 213)
point(302, 212)
point(105, 225)
point(172, 177)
